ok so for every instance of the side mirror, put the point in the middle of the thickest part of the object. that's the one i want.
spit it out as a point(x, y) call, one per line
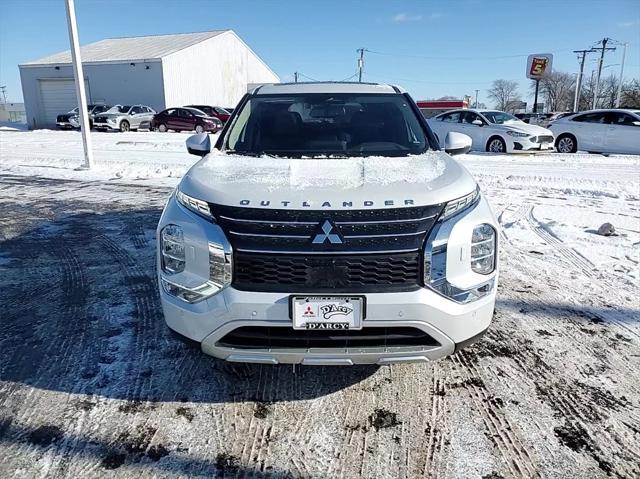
point(477, 122)
point(457, 143)
point(199, 145)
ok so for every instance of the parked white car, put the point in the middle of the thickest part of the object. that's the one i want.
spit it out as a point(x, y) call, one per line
point(599, 131)
point(492, 130)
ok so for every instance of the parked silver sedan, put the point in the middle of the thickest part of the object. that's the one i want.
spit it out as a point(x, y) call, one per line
point(123, 118)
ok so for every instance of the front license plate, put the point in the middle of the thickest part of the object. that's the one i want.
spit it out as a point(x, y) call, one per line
point(327, 312)
point(545, 146)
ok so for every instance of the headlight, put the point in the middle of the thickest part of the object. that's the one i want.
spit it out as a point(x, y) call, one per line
point(220, 267)
point(172, 249)
point(483, 249)
point(197, 206)
point(455, 206)
point(517, 134)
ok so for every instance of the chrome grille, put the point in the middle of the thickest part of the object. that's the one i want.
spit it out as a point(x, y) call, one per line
point(391, 230)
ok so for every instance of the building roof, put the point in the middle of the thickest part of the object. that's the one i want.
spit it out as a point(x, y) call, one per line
point(130, 48)
point(325, 87)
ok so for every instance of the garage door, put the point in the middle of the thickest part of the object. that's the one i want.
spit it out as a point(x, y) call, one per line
point(59, 96)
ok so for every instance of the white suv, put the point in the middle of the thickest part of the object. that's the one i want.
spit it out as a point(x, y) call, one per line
point(326, 228)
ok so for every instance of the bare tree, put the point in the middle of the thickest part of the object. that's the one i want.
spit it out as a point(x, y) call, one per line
point(503, 93)
point(630, 97)
point(557, 90)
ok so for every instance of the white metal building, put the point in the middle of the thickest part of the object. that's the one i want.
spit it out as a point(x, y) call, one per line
point(161, 71)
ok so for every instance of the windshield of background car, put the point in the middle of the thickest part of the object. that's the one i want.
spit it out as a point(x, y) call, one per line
point(327, 125)
point(195, 111)
point(499, 117)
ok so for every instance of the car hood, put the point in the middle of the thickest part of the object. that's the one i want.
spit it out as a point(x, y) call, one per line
point(523, 128)
point(375, 182)
point(111, 115)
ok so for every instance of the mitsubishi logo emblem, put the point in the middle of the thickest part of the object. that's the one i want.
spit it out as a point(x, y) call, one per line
point(327, 234)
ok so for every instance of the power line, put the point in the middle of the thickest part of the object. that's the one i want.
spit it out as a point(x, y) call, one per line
point(307, 77)
point(475, 57)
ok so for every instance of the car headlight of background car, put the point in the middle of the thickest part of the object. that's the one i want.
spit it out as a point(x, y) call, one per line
point(517, 134)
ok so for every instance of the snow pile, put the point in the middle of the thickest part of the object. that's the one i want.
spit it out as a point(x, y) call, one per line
point(341, 173)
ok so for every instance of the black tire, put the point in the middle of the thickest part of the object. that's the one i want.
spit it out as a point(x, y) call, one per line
point(566, 143)
point(199, 129)
point(124, 126)
point(496, 144)
point(162, 128)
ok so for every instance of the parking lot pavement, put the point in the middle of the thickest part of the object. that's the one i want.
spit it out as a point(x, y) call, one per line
point(93, 385)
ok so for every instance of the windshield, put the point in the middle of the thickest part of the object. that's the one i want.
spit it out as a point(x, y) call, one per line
point(119, 109)
point(498, 117)
point(195, 111)
point(327, 125)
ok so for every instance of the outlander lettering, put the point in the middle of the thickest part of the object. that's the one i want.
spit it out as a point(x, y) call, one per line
point(310, 236)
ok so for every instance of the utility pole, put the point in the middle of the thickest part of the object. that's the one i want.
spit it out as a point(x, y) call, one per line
point(4, 93)
point(295, 77)
point(602, 49)
point(79, 77)
point(535, 98)
point(476, 105)
point(582, 55)
point(360, 64)
point(624, 53)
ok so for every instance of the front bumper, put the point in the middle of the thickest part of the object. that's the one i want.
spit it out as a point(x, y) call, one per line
point(525, 144)
point(449, 323)
point(106, 126)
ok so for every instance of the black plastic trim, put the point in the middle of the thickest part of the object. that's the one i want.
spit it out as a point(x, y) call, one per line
point(190, 343)
point(468, 342)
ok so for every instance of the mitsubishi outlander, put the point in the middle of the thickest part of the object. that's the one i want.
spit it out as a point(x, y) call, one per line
point(327, 227)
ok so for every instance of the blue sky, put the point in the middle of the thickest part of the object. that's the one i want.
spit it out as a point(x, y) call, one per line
point(431, 48)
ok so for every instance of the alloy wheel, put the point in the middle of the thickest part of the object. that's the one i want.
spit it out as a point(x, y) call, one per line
point(565, 145)
point(496, 146)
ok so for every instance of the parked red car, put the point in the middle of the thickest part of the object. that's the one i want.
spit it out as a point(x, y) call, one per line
point(185, 119)
point(219, 112)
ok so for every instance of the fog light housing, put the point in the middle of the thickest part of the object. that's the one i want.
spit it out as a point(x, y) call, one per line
point(172, 249)
point(483, 249)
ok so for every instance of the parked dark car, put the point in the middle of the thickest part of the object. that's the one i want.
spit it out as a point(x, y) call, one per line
point(72, 120)
point(185, 119)
point(216, 111)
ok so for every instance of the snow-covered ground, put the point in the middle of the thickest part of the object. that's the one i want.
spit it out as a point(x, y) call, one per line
point(92, 384)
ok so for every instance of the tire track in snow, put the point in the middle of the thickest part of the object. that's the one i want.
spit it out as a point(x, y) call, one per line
point(500, 430)
point(146, 328)
point(583, 265)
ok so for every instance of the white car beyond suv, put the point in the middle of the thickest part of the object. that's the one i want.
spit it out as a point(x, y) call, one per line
point(326, 227)
point(599, 131)
point(494, 131)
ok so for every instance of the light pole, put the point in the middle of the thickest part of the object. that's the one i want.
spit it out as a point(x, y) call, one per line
point(624, 54)
point(79, 78)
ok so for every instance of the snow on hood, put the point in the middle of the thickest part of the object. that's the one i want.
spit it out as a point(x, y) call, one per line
point(429, 178)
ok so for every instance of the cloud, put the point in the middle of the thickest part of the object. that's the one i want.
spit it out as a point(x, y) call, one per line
point(405, 17)
point(629, 24)
point(408, 17)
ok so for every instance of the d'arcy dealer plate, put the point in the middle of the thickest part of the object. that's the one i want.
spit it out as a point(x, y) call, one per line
point(327, 312)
